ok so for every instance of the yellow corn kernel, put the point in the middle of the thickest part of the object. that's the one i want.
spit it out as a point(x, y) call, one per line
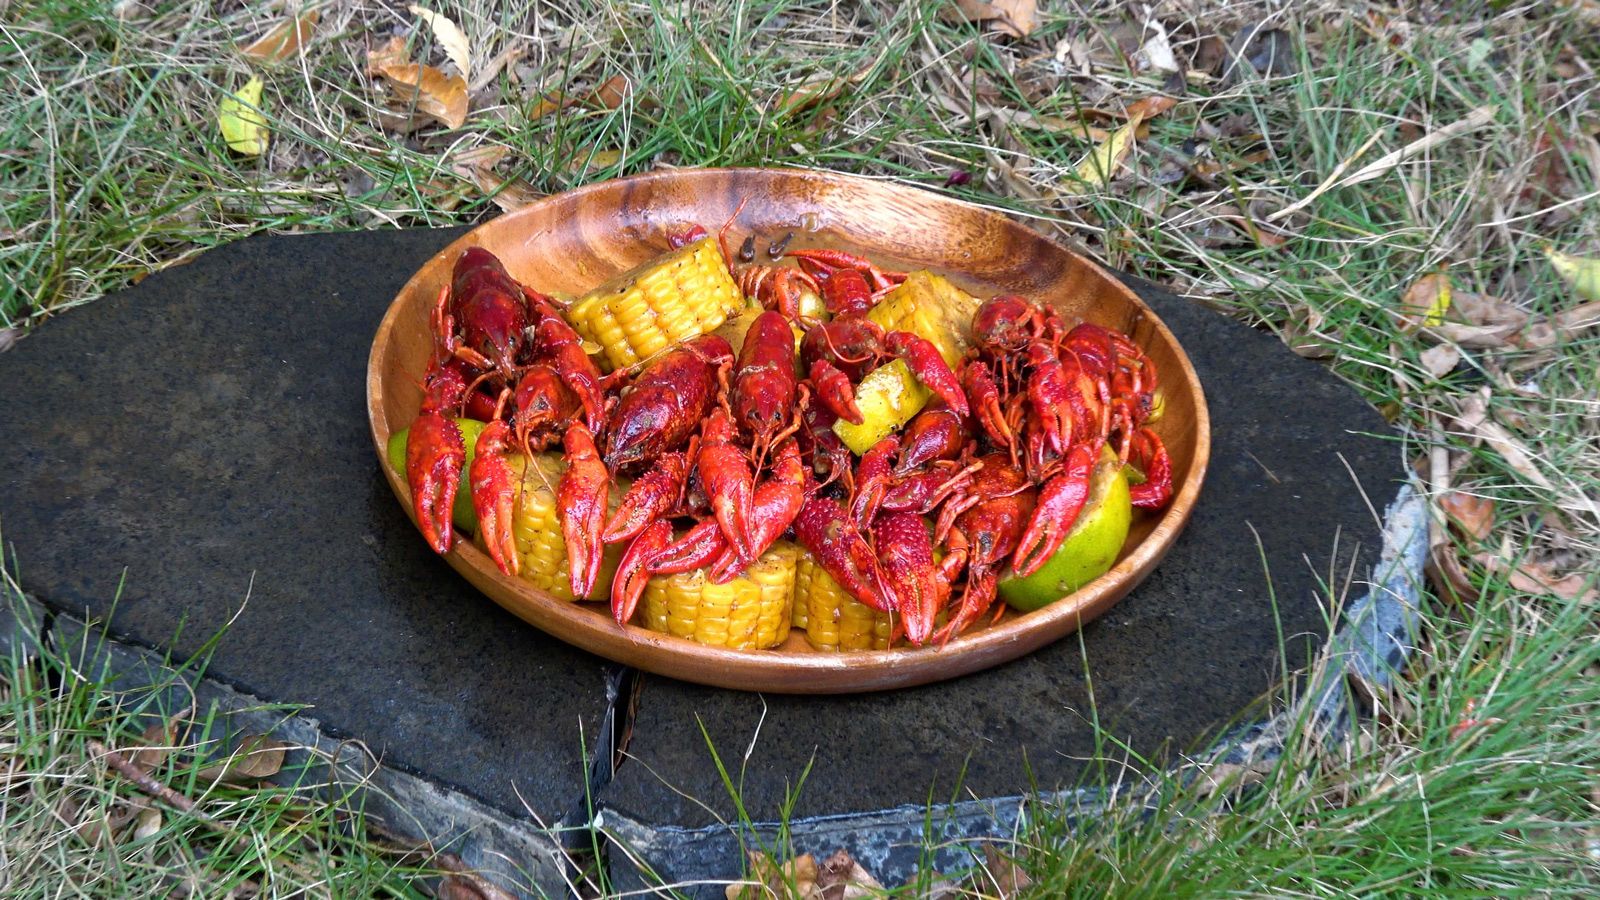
point(541, 547)
point(836, 620)
point(930, 307)
point(751, 612)
point(672, 298)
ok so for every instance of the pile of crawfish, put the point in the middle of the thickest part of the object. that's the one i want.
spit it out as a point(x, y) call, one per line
point(739, 446)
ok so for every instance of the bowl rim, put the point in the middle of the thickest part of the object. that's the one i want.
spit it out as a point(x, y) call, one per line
point(582, 625)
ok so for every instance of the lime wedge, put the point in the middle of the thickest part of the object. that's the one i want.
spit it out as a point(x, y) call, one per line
point(1091, 546)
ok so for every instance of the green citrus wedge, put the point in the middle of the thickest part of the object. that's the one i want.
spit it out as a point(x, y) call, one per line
point(1091, 546)
point(464, 516)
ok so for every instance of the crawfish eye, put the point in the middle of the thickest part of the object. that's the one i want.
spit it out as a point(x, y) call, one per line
point(747, 250)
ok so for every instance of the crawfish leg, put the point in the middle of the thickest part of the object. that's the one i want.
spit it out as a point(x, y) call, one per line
point(581, 506)
point(1060, 501)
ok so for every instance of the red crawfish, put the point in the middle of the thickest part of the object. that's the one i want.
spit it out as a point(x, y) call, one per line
point(982, 522)
point(777, 502)
point(767, 397)
point(826, 528)
point(1060, 501)
point(666, 402)
point(491, 311)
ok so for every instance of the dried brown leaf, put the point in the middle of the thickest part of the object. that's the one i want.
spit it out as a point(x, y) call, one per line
point(441, 97)
point(391, 53)
point(609, 94)
point(1440, 360)
point(840, 877)
point(1426, 300)
point(148, 823)
point(469, 886)
point(1537, 578)
point(1474, 515)
point(258, 756)
point(1149, 107)
point(1008, 878)
point(478, 166)
point(1016, 18)
point(822, 89)
point(796, 879)
point(158, 740)
point(284, 40)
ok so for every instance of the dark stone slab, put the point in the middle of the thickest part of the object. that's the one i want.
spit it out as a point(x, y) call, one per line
point(1281, 527)
point(23, 623)
point(193, 453)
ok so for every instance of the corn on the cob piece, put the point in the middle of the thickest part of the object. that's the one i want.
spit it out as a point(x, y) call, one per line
point(672, 298)
point(751, 612)
point(888, 397)
point(836, 620)
point(541, 548)
point(930, 307)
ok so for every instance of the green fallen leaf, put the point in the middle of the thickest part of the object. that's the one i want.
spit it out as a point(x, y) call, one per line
point(239, 116)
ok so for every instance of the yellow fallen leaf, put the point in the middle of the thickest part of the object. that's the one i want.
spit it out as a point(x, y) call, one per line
point(283, 41)
point(1580, 272)
point(593, 162)
point(239, 116)
point(1103, 160)
point(1428, 299)
point(440, 96)
point(450, 37)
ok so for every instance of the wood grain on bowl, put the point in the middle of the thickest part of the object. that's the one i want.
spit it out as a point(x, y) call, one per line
point(569, 243)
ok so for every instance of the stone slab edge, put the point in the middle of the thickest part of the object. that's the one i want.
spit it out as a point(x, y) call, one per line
point(1379, 633)
point(526, 858)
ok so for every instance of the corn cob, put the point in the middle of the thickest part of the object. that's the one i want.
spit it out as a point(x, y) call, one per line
point(930, 307)
point(751, 612)
point(541, 548)
point(836, 620)
point(672, 298)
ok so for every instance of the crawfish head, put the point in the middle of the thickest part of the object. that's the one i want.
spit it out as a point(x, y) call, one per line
point(854, 346)
point(666, 403)
point(936, 433)
point(541, 406)
point(1005, 324)
point(489, 308)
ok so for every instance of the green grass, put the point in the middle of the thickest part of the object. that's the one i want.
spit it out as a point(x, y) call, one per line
point(110, 167)
point(73, 826)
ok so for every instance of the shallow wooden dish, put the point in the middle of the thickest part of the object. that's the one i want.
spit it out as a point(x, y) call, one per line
point(574, 241)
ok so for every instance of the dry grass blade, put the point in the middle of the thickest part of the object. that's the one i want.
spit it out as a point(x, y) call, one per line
point(285, 40)
point(1474, 120)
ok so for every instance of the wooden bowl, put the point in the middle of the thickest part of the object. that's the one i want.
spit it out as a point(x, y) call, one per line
point(569, 243)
